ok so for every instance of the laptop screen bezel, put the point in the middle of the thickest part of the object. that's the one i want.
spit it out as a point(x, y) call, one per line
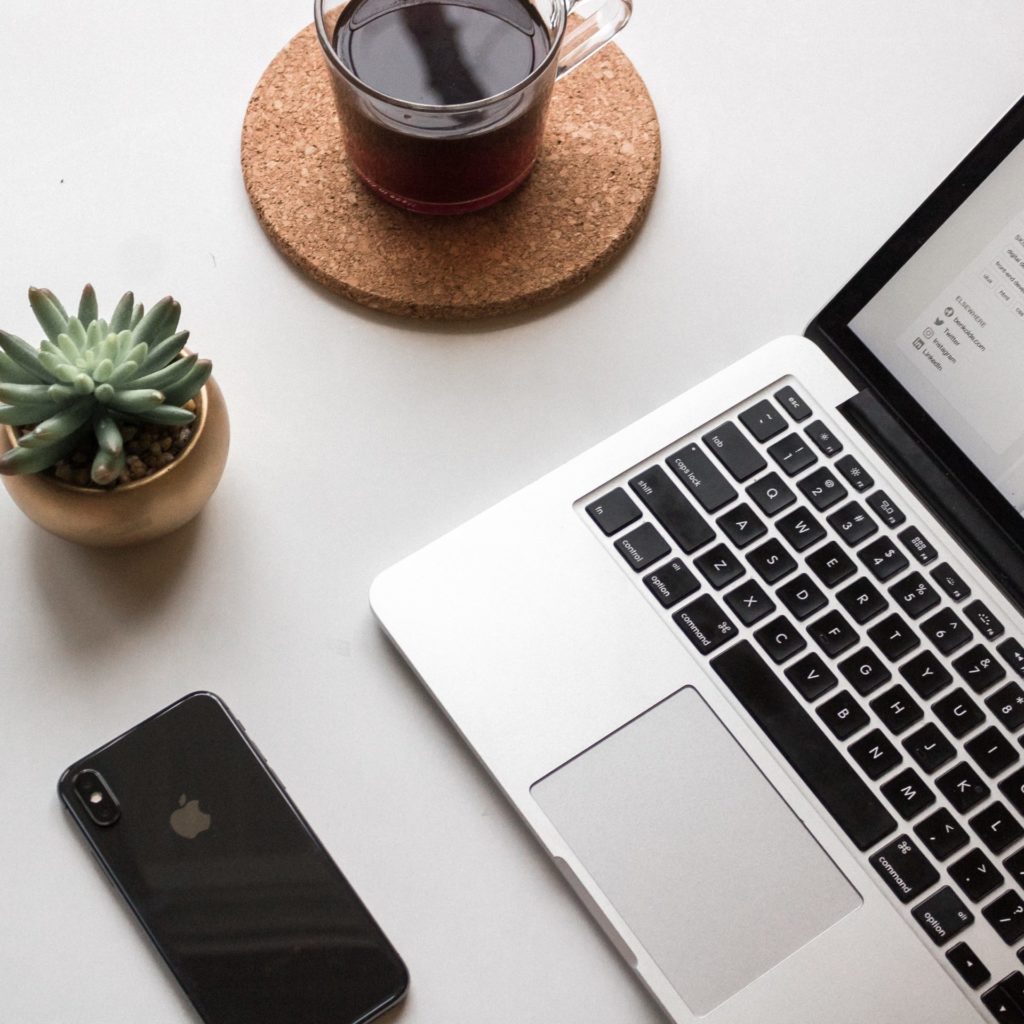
point(831, 329)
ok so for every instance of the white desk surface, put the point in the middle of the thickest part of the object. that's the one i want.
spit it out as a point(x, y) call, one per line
point(796, 136)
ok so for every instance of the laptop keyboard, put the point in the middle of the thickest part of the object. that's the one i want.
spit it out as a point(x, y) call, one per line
point(851, 639)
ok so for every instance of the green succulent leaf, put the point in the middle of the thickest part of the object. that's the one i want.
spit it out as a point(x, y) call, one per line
point(190, 386)
point(170, 374)
point(58, 426)
point(52, 316)
point(78, 333)
point(23, 355)
point(61, 393)
point(122, 316)
point(68, 349)
point(34, 460)
point(137, 314)
point(167, 416)
point(15, 393)
point(107, 467)
point(160, 355)
point(24, 413)
point(122, 373)
point(138, 401)
point(149, 326)
point(88, 309)
point(108, 435)
point(11, 372)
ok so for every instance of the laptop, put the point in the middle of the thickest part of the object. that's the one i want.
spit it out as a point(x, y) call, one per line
point(752, 669)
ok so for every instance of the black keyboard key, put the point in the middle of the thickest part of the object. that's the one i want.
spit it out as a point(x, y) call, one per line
point(843, 715)
point(979, 615)
point(943, 915)
point(800, 529)
point(979, 669)
point(976, 875)
point(875, 753)
point(951, 582)
point(930, 748)
point(734, 451)
point(792, 403)
point(1006, 915)
point(823, 768)
point(907, 792)
point(997, 828)
point(642, 547)
point(832, 633)
point(792, 454)
point(683, 523)
point(1013, 654)
point(719, 566)
point(853, 523)
point(916, 543)
point(958, 713)
point(1006, 1000)
point(811, 676)
point(763, 420)
point(1012, 787)
point(914, 595)
point(968, 966)
point(1014, 865)
point(946, 630)
point(701, 477)
point(894, 637)
point(992, 751)
point(886, 509)
point(822, 489)
point(780, 639)
point(862, 600)
point(831, 564)
point(749, 602)
point(771, 561)
point(864, 671)
point(742, 525)
point(614, 512)
point(824, 440)
point(705, 624)
point(770, 494)
point(671, 582)
point(941, 834)
point(1007, 704)
point(802, 596)
point(905, 869)
point(856, 475)
point(963, 787)
point(883, 559)
point(897, 709)
point(925, 674)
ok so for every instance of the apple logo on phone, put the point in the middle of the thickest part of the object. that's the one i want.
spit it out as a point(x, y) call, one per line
point(188, 820)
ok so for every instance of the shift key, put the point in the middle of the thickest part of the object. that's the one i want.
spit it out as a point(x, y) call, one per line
point(680, 519)
point(701, 477)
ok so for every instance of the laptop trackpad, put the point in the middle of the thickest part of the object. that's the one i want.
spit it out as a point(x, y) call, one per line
point(695, 849)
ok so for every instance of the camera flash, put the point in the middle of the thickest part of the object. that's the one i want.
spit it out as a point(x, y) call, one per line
point(96, 798)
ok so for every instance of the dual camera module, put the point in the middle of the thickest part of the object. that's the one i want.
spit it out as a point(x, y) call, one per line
point(96, 796)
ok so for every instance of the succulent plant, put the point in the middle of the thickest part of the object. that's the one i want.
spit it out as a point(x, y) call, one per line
point(91, 375)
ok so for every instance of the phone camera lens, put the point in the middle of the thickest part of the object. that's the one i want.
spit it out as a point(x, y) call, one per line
point(96, 797)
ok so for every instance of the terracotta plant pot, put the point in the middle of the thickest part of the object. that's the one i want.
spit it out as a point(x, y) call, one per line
point(135, 512)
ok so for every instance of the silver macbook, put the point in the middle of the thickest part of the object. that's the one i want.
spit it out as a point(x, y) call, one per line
point(751, 669)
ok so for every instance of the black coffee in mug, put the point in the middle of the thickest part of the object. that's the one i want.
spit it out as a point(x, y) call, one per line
point(442, 55)
point(442, 102)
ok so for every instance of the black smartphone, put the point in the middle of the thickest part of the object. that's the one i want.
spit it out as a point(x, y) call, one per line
point(243, 902)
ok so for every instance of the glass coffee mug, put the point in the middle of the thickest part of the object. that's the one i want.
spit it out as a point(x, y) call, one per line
point(442, 102)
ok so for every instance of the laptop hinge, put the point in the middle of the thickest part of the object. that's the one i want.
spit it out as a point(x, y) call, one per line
point(969, 523)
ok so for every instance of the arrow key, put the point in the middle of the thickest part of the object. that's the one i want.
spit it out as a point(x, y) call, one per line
point(968, 966)
point(1002, 1001)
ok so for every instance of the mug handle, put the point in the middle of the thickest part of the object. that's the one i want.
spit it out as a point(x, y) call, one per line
point(601, 19)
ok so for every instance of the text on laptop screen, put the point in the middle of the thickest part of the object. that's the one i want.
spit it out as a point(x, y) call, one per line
point(956, 343)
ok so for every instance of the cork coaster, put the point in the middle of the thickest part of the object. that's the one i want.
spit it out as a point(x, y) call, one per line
point(586, 198)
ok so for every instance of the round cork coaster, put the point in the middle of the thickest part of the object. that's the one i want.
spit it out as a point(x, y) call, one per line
point(585, 199)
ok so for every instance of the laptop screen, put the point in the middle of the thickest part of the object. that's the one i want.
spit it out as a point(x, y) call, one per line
point(933, 325)
point(949, 325)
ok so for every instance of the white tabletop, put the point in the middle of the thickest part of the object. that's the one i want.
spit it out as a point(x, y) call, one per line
point(796, 136)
